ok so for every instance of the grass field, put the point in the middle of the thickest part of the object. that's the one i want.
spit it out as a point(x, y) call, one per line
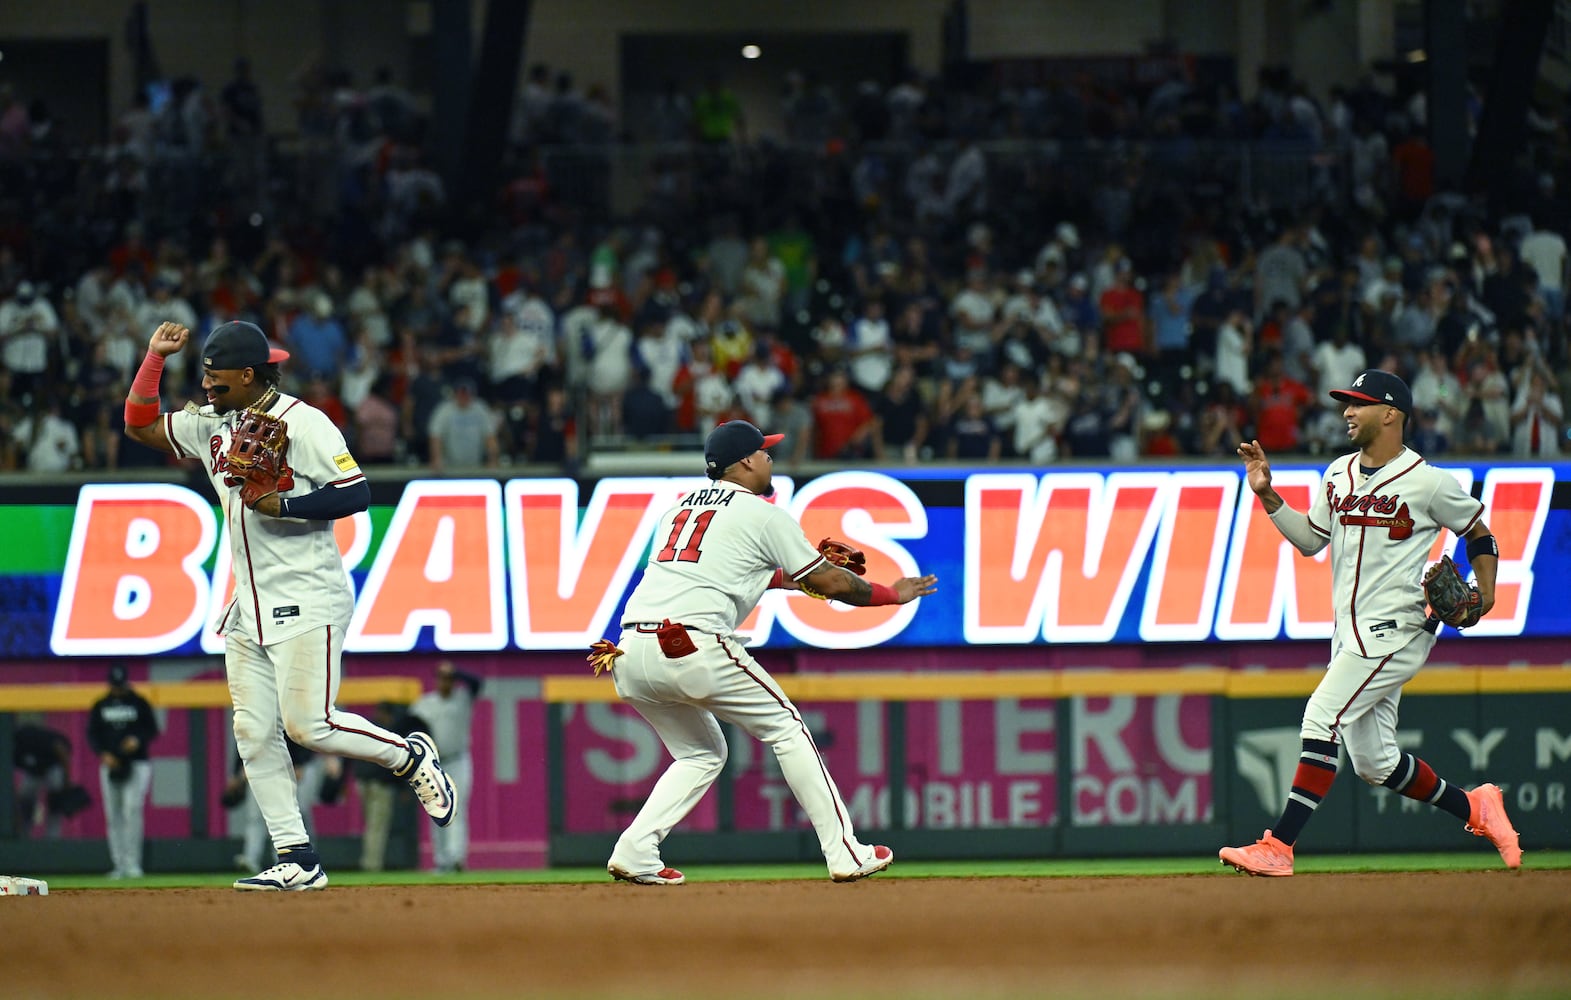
point(1045, 868)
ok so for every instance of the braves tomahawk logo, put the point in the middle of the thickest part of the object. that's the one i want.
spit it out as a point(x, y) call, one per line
point(220, 461)
point(1372, 511)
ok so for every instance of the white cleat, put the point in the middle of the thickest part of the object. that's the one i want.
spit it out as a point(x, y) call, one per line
point(425, 775)
point(882, 858)
point(286, 876)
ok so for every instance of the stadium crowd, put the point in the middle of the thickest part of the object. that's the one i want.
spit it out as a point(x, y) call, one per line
point(917, 272)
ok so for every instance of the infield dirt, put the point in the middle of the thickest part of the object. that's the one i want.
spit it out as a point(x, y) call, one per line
point(1475, 934)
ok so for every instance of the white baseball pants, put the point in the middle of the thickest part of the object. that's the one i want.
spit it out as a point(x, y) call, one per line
point(289, 687)
point(681, 699)
point(1355, 704)
point(124, 805)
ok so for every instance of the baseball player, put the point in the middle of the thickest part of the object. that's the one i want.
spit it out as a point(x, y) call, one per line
point(449, 710)
point(1379, 509)
point(120, 725)
point(683, 666)
point(284, 629)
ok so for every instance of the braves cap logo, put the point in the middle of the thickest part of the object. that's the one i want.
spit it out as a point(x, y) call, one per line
point(1358, 381)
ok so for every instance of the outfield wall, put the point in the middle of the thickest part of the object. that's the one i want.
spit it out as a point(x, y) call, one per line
point(1088, 750)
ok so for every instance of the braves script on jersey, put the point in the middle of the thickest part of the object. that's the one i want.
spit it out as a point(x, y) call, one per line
point(749, 537)
point(288, 573)
point(1380, 529)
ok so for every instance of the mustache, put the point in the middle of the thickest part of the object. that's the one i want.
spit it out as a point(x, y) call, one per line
point(219, 390)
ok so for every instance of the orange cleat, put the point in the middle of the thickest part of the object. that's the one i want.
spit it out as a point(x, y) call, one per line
point(1488, 819)
point(1266, 856)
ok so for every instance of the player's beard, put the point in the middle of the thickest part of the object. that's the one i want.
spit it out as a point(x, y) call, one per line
point(1364, 435)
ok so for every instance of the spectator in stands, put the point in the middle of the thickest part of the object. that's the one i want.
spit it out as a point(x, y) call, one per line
point(29, 335)
point(1486, 420)
point(717, 113)
point(554, 440)
point(463, 431)
point(609, 364)
point(1279, 403)
point(318, 341)
point(758, 384)
point(843, 420)
point(1537, 414)
point(790, 416)
point(48, 441)
point(644, 412)
point(1123, 310)
point(870, 347)
point(974, 312)
point(1001, 393)
point(1170, 327)
point(659, 352)
point(902, 418)
point(1125, 406)
point(1281, 270)
point(1234, 347)
point(763, 286)
point(972, 435)
point(1038, 421)
point(96, 410)
point(376, 421)
point(1224, 423)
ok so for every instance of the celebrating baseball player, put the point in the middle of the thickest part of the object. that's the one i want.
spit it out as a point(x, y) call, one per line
point(283, 474)
point(681, 665)
point(1380, 509)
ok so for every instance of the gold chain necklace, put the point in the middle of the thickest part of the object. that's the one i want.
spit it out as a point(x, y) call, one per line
point(265, 403)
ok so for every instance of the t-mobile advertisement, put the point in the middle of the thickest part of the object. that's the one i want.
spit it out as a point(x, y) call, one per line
point(969, 764)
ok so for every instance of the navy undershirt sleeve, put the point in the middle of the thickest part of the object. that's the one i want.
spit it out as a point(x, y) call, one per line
point(329, 503)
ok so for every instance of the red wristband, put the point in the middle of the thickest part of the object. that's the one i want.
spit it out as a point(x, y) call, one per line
point(778, 580)
point(145, 384)
point(142, 414)
point(883, 593)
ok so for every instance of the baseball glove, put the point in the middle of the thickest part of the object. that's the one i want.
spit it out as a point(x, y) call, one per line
point(256, 456)
point(602, 655)
point(843, 555)
point(847, 557)
point(1452, 599)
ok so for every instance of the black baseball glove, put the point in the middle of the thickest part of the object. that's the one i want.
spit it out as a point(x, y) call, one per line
point(1452, 599)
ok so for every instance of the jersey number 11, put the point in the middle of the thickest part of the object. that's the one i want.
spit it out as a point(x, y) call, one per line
point(689, 551)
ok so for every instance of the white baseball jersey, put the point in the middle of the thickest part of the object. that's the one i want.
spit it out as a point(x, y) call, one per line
point(1380, 528)
point(718, 549)
point(289, 576)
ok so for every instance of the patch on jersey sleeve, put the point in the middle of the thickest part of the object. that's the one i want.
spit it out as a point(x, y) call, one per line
point(345, 462)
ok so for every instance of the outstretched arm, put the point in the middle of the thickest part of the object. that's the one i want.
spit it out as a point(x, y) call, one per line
point(1293, 524)
point(838, 583)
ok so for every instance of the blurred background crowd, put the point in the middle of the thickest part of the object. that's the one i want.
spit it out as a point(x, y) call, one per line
point(913, 271)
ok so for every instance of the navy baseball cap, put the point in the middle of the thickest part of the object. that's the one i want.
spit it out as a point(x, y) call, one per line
point(733, 441)
point(238, 344)
point(1376, 386)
